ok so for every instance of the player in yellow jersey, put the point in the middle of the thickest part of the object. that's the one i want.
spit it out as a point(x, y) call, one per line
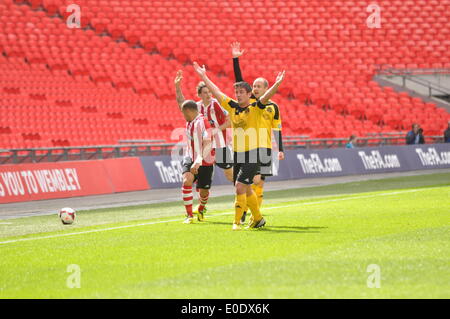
point(271, 121)
point(245, 117)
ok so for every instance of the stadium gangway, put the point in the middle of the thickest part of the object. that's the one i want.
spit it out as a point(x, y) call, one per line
point(412, 75)
point(387, 69)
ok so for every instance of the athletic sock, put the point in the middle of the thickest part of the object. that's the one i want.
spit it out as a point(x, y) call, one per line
point(259, 191)
point(240, 206)
point(187, 199)
point(252, 203)
point(203, 202)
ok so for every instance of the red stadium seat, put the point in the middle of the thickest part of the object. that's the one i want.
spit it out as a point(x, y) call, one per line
point(330, 61)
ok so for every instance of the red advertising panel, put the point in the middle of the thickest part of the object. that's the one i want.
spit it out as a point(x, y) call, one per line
point(126, 174)
point(25, 182)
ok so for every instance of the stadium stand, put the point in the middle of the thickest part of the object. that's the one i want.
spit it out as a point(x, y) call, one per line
point(113, 78)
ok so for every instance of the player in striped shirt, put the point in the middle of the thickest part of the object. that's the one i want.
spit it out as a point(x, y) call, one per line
point(220, 121)
point(271, 121)
point(198, 162)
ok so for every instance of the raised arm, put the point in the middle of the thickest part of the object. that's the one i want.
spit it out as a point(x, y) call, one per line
point(216, 92)
point(179, 92)
point(271, 92)
point(237, 52)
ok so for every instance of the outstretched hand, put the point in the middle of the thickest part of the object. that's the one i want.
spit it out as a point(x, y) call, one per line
point(236, 49)
point(179, 77)
point(200, 70)
point(280, 77)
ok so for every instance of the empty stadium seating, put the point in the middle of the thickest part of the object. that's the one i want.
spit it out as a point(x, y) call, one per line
point(113, 79)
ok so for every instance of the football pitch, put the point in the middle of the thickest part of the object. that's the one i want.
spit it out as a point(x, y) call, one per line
point(373, 239)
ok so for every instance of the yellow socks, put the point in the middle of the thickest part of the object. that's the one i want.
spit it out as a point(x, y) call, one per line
point(259, 191)
point(240, 206)
point(252, 203)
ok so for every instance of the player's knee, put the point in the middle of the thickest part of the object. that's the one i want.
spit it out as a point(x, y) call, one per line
point(204, 192)
point(241, 189)
point(257, 179)
point(188, 180)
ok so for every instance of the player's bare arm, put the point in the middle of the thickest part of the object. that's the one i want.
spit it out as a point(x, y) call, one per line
point(225, 125)
point(207, 148)
point(271, 92)
point(201, 71)
point(179, 92)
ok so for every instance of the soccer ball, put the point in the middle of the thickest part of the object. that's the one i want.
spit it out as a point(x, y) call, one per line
point(67, 215)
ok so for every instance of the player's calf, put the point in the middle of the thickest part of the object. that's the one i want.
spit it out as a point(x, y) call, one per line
point(187, 194)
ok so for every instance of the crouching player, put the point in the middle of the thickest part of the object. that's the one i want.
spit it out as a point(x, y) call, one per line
point(198, 162)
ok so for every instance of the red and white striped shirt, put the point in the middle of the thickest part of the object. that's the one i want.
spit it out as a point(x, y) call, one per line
point(197, 133)
point(216, 116)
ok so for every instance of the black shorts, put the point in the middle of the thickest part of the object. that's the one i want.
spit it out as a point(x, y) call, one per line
point(246, 167)
point(224, 158)
point(205, 174)
point(245, 172)
point(265, 162)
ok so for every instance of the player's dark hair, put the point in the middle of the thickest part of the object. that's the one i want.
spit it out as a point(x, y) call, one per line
point(200, 86)
point(189, 105)
point(243, 85)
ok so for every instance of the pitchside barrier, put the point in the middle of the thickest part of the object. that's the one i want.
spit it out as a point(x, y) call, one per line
point(165, 172)
point(25, 182)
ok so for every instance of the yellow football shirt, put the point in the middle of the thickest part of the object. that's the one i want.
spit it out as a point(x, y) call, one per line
point(245, 123)
point(270, 120)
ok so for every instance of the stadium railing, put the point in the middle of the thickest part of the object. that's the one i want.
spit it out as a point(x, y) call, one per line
point(55, 154)
point(144, 148)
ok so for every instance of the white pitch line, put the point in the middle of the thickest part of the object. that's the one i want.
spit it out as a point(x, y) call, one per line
point(220, 214)
point(5, 223)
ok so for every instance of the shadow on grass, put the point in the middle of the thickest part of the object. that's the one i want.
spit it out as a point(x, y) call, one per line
point(281, 229)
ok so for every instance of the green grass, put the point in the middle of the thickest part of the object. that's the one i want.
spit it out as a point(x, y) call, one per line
point(317, 244)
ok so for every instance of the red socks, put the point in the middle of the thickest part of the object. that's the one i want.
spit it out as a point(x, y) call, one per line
point(203, 202)
point(187, 199)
